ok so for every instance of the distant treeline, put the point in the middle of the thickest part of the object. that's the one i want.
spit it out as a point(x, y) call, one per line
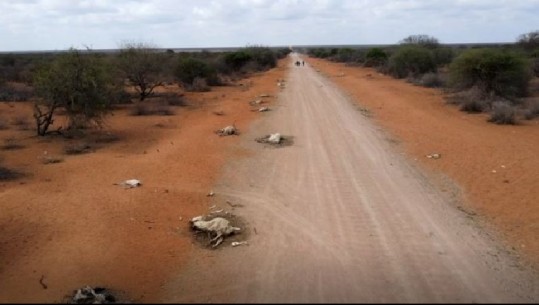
point(491, 78)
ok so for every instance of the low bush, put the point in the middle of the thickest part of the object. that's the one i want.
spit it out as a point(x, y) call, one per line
point(7, 174)
point(503, 113)
point(411, 60)
point(143, 109)
point(163, 109)
point(532, 111)
point(13, 94)
point(77, 149)
point(264, 57)
point(11, 144)
point(535, 66)
point(495, 72)
point(431, 80)
point(471, 101)
point(375, 57)
point(473, 105)
point(235, 60)
point(443, 56)
point(189, 69)
point(173, 100)
point(349, 55)
point(199, 85)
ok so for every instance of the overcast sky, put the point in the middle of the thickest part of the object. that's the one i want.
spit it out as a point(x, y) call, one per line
point(104, 24)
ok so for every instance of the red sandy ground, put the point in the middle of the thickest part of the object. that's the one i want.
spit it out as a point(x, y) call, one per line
point(67, 224)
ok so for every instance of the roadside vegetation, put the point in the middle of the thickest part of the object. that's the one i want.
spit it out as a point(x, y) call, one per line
point(500, 80)
point(82, 86)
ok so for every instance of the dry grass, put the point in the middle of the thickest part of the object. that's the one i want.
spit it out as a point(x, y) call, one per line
point(51, 159)
point(503, 114)
point(142, 109)
point(11, 144)
point(7, 174)
point(77, 149)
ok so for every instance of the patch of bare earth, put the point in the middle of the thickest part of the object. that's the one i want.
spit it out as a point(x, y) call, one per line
point(496, 166)
point(65, 224)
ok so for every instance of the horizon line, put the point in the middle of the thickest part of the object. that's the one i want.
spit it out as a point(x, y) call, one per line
point(199, 49)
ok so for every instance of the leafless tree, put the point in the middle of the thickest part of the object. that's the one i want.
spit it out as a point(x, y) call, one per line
point(529, 40)
point(141, 66)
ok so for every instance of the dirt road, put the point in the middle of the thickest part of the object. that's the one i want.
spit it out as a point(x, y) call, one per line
point(342, 216)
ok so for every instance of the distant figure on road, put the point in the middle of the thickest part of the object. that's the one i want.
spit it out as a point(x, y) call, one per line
point(302, 63)
point(297, 63)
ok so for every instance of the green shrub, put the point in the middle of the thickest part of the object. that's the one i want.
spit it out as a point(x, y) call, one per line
point(411, 60)
point(348, 55)
point(319, 52)
point(264, 57)
point(189, 69)
point(15, 94)
point(493, 71)
point(535, 63)
point(283, 52)
point(375, 57)
point(75, 82)
point(443, 56)
point(236, 60)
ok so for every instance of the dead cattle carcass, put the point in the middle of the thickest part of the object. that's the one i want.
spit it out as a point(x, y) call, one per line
point(227, 131)
point(217, 228)
point(89, 295)
point(274, 138)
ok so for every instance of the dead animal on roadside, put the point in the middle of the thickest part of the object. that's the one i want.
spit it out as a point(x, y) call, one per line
point(219, 113)
point(227, 131)
point(261, 109)
point(131, 183)
point(256, 102)
point(274, 138)
point(238, 243)
point(434, 156)
point(217, 228)
point(89, 295)
point(265, 95)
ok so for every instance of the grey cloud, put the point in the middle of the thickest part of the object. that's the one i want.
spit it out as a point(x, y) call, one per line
point(206, 23)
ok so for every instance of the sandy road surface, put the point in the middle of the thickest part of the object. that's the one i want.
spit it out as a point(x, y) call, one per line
point(341, 216)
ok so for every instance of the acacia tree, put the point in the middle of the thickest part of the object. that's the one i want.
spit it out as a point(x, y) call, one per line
point(78, 83)
point(529, 41)
point(141, 66)
point(421, 40)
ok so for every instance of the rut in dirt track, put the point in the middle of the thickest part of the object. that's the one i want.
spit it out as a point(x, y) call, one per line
point(341, 217)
